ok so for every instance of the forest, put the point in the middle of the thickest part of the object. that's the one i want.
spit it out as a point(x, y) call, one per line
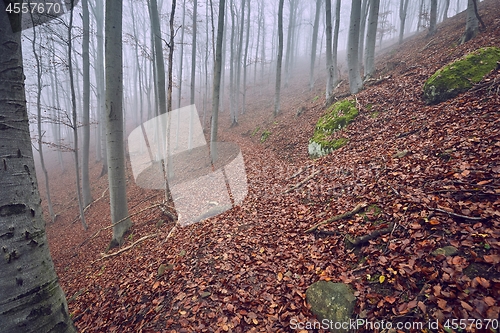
point(250, 166)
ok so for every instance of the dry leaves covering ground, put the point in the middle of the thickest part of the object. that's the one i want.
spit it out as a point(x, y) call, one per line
point(247, 269)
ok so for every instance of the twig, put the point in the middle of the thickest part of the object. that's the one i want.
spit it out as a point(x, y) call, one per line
point(472, 218)
point(93, 202)
point(338, 217)
point(301, 171)
point(105, 256)
point(296, 186)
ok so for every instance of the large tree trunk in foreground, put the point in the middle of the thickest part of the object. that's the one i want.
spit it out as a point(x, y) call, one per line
point(114, 122)
point(32, 300)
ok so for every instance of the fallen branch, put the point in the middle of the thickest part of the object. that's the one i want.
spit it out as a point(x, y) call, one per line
point(161, 205)
point(93, 202)
point(366, 238)
point(105, 256)
point(465, 217)
point(338, 217)
point(299, 184)
point(298, 173)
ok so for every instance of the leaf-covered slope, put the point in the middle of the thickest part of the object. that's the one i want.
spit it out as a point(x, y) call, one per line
point(247, 269)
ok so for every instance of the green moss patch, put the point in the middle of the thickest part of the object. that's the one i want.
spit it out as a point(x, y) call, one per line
point(338, 116)
point(460, 75)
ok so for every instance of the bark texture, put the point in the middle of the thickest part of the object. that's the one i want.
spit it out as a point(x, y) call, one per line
point(32, 300)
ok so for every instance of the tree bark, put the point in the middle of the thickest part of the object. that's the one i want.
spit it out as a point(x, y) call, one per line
point(330, 70)
point(32, 300)
point(472, 23)
point(371, 38)
point(433, 18)
point(279, 59)
point(403, 9)
point(87, 195)
point(355, 83)
point(217, 77)
point(114, 121)
point(314, 43)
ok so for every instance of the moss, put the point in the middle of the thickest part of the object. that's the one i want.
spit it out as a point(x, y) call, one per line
point(257, 129)
point(264, 136)
point(460, 75)
point(338, 116)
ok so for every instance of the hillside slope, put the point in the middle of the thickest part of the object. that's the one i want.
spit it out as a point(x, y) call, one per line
point(247, 270)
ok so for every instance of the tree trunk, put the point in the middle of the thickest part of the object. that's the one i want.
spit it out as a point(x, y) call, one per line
point(371, 38)
point(335, 42)
point(217, 77)
point(171, 58)
point(403, 9)
point(279, 59)
point(32, 300)
point(290, 39)
point(362, 27)
point(433, 18)
point(39, 120)
point(446, 8)
point(355, 82)
point(315, 42)
point(330, 70)
point(160, 63)
point(181, 52)
point(245, 59)
point(87, 195)
point(114, 122)
point(472, 23)
point(193, 52)
point(75, 121)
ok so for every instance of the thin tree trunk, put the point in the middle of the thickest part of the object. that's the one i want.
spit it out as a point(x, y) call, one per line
point(330, 70)
point(87, 195)
point(335, 42)
point(39, 119)
point(315, 42)
point(217, 77)
point(75, 122)
point(433, 18)
point(279, 59)
point(403, 9)
point(245, 59)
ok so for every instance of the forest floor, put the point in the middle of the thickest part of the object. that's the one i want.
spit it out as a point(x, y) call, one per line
point(247, 270)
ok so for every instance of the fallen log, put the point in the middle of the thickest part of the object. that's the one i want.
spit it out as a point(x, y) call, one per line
point(338, 217)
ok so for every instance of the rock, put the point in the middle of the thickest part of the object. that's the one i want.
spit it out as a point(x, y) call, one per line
point(445, 251)
point(333, 302)
point(338, 116)
point(459, 76)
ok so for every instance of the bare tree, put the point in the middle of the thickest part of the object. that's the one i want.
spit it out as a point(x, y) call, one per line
point(355, 82)
point(217, 77)
point(433, 18)
point(315, 42)
point(371, 37)
point(330, 69)
point(32, 299)
point(114, 122)
point(87, 195)
point(279, 59)
point(39, 70)
point(74, 124)
point(403, 9)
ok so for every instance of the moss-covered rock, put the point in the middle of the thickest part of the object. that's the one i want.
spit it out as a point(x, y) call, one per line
point(332, 303)
point(460, 75)
point(337, 117)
